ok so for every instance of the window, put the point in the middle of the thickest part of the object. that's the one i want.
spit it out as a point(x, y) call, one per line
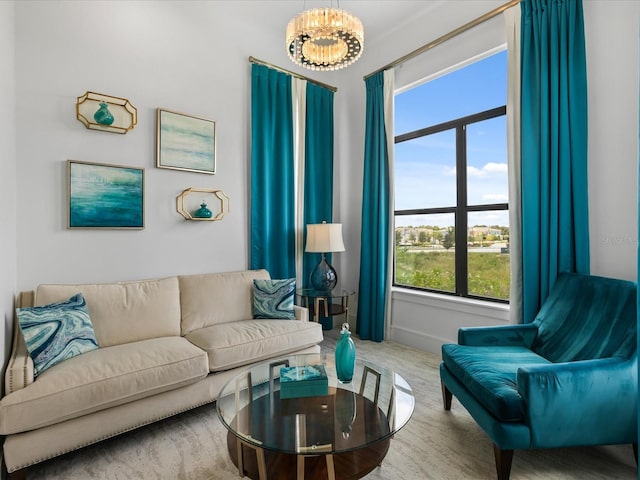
point(451, 183)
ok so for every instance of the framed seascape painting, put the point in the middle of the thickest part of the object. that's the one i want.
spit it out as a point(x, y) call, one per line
point(105, 196)
point(185, 142)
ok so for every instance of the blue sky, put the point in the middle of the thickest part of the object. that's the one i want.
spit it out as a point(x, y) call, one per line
point(425, 167)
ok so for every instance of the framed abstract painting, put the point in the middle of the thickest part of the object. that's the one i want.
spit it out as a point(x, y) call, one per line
point(105, 196)
point(185, 142)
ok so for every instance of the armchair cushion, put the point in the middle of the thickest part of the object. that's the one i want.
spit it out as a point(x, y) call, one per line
point(587, 317)
point(489, 373)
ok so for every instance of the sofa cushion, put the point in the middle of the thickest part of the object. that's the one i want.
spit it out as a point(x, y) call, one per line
point(126, 311)
point(215, 298)
point(274, 298)
point(101, 379)
point(56, 332)
point(489, 373)
point(233, 344)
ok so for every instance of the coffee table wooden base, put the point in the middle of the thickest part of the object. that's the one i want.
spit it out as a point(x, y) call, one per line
point(282, 466)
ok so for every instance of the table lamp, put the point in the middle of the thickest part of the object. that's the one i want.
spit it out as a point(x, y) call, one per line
point(322, 238)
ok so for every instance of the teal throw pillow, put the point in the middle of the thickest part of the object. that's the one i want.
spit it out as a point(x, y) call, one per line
point(56, 332)
point(274, 298)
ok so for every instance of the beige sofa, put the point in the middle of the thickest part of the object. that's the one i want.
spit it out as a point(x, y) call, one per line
point(166, 345)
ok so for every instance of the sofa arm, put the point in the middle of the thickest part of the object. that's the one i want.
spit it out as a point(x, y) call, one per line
point(522, 335)
point(19, 371)
point(302, 313)
point(587, 402)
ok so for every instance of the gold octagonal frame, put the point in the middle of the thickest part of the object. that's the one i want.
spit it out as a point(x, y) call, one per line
point(219, 194)
point(124, 113)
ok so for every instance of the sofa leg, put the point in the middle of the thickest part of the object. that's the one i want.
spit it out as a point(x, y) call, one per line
point(446, 396)
point(503, 462)
point(635, 452)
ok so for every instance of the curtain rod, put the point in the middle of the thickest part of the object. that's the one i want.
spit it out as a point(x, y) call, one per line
point(447, 36)
point(293, 74)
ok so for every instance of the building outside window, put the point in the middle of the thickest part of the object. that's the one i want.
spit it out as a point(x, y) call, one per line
point(451, 183)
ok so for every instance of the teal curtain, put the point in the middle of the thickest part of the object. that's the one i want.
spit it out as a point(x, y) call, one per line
point(376, 193)
point(272, 173)
point(318, 180)
point(555, 217)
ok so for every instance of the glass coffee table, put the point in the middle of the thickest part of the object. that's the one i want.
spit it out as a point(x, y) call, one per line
point(334, 431)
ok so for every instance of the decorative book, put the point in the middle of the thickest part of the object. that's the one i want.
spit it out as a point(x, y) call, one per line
point(303, 381)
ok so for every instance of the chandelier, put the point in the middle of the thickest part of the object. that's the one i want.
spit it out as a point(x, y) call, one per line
point(325, 39)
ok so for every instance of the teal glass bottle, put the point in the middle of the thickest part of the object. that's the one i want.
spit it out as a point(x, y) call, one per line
point(103, 116)
point(203, 211)
point(345, 355)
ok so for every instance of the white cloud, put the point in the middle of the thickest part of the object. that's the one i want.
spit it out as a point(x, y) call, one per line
point(490, 168)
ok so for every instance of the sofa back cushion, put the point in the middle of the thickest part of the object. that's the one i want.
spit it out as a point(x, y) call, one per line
point(126, 311)
point(215, 298)
point(587, 317)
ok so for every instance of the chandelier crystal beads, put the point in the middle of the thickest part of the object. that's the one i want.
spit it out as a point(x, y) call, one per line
point(325, 39)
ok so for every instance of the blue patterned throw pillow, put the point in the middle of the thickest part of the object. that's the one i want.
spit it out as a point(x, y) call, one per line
point(56, 332)
point(274, 298)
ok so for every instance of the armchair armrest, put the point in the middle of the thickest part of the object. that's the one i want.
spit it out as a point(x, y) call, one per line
point(521, 335)
point(302, 313)
point(586, 402)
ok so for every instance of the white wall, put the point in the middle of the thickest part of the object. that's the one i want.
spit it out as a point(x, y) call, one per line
point(187, 57)
point(611, 31)
point(8, 176)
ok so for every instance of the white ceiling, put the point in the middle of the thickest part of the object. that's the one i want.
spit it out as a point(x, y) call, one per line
point(379, 17)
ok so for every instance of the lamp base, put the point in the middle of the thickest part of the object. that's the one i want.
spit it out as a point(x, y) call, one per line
point(324, 276)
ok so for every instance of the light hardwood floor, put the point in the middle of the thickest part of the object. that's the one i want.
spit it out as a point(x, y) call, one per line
point(435, 444)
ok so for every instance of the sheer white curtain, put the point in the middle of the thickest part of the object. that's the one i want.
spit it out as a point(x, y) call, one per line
point(389, 93)
point(299, 102)
point(512, 25)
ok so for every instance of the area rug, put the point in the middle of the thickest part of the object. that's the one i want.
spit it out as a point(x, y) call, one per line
point(435, 444)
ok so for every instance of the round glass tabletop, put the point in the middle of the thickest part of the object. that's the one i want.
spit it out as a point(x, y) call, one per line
point(313, 415)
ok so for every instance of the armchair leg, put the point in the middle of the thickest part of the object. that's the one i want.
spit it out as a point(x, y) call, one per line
point(446, 396)
point(503, 462)
point(635, 452)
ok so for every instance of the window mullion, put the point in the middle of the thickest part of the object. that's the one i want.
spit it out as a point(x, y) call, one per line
point(461, 212)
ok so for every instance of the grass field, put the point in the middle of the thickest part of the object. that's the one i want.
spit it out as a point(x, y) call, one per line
point(488, 272)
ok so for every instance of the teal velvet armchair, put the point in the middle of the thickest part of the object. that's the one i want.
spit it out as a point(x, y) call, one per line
point(569, 378)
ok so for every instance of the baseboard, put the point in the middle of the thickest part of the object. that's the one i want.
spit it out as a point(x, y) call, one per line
point(419, 340)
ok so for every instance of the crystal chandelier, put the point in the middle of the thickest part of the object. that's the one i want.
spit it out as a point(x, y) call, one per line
point(325, 39)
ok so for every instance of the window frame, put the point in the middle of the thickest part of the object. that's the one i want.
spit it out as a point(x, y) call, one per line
point(461, 209)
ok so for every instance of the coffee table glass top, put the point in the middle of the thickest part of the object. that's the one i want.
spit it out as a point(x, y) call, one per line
point(315, 419)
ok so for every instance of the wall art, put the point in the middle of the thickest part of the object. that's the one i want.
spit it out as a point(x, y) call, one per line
point(98, 111)
point(185, 142)
point(105, 196)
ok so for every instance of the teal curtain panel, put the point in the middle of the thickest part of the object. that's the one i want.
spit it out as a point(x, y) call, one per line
point(376, 193)
point(555, 215)
point(272, 173)
point(318, 181)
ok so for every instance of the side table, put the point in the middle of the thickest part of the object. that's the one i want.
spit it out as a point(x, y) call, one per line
point(325, 304)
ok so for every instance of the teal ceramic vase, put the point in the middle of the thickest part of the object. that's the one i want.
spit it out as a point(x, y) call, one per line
point(345, 355)
point(202, 212)
point(103, 115)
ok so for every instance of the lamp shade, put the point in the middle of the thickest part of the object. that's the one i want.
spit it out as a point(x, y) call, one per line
point(324, 237)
